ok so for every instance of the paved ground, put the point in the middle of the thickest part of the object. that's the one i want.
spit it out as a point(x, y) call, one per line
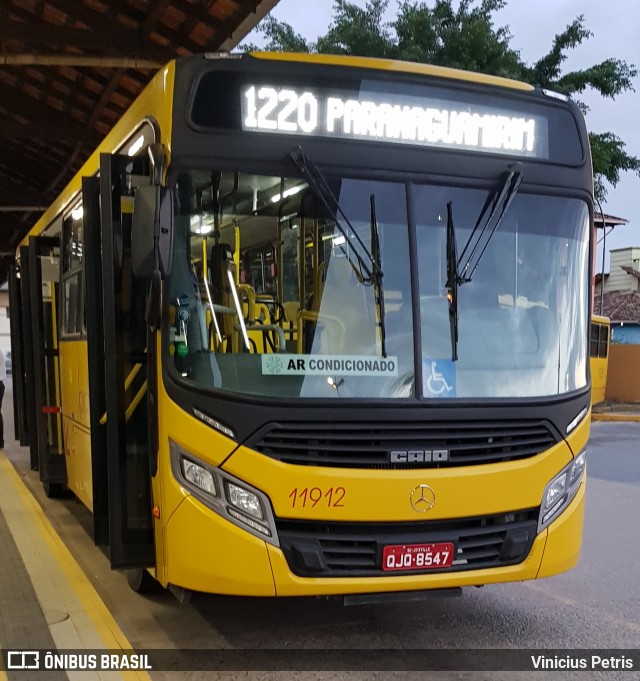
point(596, 605)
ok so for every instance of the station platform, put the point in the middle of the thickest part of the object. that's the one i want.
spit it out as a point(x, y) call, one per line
point(47, 602)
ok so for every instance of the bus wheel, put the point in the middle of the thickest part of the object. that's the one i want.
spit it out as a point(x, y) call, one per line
point(141, 581)
point(53, 490)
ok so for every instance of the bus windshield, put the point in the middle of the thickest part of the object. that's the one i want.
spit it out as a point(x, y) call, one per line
point(522, 316)
point(270, 297)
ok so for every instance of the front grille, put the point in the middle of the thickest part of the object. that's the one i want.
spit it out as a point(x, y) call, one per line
point(316, 549)
point(369, 445)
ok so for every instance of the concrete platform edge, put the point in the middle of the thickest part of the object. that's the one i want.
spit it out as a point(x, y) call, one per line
point(90, 624)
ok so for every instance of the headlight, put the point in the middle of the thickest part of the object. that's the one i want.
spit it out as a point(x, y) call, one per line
point(577, 467)
point(199, 476)
point(233, 499)
point(561, 490)
point(244, 500)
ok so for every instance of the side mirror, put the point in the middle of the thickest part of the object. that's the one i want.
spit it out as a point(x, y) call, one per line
point(152, 231)
point(152, 226)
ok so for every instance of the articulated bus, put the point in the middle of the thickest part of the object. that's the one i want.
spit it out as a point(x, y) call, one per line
point(318, 325)
point(599, 356)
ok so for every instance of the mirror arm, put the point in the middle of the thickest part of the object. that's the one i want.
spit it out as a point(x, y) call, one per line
point(157, 160)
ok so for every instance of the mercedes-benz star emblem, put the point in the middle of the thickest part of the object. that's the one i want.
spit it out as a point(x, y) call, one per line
point(422, 498)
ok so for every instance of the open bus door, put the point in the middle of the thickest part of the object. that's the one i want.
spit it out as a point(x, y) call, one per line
point(23, 318)
point(17, 357)
point(118, 369)
point(40, 275)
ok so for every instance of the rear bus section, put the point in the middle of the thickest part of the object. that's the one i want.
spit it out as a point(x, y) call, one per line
point(599, 356)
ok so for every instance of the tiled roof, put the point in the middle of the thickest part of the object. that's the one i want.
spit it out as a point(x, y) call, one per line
point(69, 69)
point(609, 220)
point(621, 306)
point(631, 270)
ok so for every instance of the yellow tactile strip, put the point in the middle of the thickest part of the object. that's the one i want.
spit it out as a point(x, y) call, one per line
point(77, 617)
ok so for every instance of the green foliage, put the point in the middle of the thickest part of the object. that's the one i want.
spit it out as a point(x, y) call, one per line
point(462, 38)
point(358, 31)
point(280, 38)
point(610, 159)
point(462, 35)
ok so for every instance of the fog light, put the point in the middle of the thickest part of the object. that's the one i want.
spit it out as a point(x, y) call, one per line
point(198, 476)
point(245, 501)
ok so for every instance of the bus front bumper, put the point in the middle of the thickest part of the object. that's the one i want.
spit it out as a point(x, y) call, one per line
point(210, 554)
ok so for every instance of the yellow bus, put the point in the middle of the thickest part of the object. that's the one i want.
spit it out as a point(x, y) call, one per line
point(315, 325)
point(599, 356)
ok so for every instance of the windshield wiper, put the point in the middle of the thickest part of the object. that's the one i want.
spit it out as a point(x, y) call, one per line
point(367, 270)
point(499, 199)
point(456, 275)
point(377, 277)
point(453, 281)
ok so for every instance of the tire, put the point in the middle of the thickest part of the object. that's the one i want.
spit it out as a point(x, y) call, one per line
point(141, 581)
point(53, 490)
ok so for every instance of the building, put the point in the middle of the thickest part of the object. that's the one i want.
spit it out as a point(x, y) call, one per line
point(617, 295)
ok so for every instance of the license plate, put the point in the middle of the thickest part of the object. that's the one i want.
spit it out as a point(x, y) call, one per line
point(417, 556)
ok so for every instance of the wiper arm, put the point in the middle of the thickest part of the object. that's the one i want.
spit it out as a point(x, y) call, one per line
point(501, 198)
point(368, 270)
point(453, 281)
point(377, 278)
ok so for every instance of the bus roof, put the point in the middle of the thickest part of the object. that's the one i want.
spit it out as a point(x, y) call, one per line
point(156, 89)
point(397, 66)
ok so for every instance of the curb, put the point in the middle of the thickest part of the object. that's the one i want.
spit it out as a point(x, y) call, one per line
point(629, 418)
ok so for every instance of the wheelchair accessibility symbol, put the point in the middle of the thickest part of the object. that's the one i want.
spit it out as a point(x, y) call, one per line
point(439, 378)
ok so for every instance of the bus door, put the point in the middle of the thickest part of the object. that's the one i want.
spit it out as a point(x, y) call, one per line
point(119, 357)
point(43, 277)
point(18, 351)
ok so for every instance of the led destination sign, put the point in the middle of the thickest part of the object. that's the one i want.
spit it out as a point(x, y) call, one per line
point(393, 118)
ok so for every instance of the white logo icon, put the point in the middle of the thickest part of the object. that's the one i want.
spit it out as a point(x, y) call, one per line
point(437, 383)
point(23, 659)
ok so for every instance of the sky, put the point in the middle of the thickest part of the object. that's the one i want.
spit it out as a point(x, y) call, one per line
point(534, 24)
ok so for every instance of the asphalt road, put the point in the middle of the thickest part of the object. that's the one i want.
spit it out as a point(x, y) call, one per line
point(596, 605)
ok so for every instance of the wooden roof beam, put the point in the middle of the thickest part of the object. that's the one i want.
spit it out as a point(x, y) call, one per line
point(105, 35)
point(20, 198)
point(58, 132)
point(125, 40)
point(40, 112)
point(21, 208)
point(250, 22)
point(79, 61)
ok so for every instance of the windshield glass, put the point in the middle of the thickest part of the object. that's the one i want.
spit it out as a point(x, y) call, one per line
point(269, 296)
point(523, 315)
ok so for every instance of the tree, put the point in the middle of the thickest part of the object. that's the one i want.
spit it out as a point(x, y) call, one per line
point(466, 38)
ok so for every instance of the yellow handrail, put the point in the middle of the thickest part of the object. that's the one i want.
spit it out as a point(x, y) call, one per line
point(135, 402)
point(127, 384)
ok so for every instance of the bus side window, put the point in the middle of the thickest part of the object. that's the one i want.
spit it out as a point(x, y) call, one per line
point(603, 346)
point(593, 347)
point(72, 293)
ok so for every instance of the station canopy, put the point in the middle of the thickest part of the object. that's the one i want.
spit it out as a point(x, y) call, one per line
point(69, 69)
